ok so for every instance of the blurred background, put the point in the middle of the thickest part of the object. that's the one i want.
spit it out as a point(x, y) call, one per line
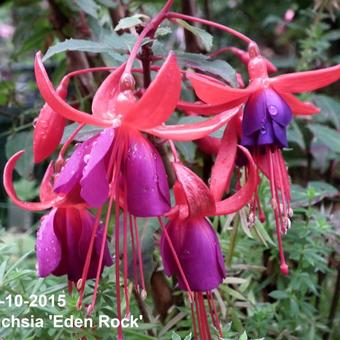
point(255, 301)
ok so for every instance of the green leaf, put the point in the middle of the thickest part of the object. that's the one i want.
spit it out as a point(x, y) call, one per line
point(188, 150)
point(175, 336)
point(330, 109)
point(278, 294)
point(321, 190)
point(327, 136)
point(89, 6)
point(84, 134)
point(26, 190)
point(205, 37)
point(130, 22)
point(295, 135)
point(109, 42)
point(21, 141)
point(244, 336)
point(213, 66)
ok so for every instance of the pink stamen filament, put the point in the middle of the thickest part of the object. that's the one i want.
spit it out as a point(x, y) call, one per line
point(193, 318)
point(101, 257)
point(213, 313)
point(174, 151)
point(275, 203)
point(81, 284)
point(149, 29)
point(70, 139)
point(174, 15)
point(140, 258)
point(178, 263)
point(125, 253)
point(135, 278)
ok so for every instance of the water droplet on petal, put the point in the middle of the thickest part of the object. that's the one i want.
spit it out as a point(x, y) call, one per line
point(273, 110)
point(86, 158)
point(263, 130)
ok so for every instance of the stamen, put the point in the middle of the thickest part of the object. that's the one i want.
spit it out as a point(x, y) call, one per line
point(125, 254)
point(203, 313)
point(140, 258)
point(213, 313)
point(101, 256)
point(135, 278)
point(81, 286)
point(69, 286)
point(178, 263)
point(283, 266)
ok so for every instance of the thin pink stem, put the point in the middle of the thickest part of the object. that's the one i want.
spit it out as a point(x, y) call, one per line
point(70, 139)
point(140, 258)
point(150, 28)
point(81, 284)
point(283, 266)
point(178, 263)
point(174, 15)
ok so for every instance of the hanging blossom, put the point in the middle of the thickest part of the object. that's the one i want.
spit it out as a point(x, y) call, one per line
point(269, 106)
point(189, 245)
point(64, 234)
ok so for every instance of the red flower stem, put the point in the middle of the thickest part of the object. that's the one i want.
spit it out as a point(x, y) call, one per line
point(60, 159)
point(178, 263)
point(174, 151)
point(101, 256)
point(174, 15)
point(219, 51)
point(204, 316)
point(81, 284)
point(135, 278)
point(125, 254)
point(140, 258)
point(149, 29)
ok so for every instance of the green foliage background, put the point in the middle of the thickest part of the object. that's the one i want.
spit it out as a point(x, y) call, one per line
point(255, 300)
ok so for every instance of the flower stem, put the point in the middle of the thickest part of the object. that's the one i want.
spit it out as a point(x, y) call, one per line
point(174, 15)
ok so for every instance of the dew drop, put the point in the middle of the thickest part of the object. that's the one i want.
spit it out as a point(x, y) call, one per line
point(35, 122)
point(273, 110)
point(263, 130)
point(86, 158)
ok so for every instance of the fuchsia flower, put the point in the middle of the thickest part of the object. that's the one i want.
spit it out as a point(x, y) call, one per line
point(269, 105)
point(189, 245)
point(64, 234)
point(62, 244)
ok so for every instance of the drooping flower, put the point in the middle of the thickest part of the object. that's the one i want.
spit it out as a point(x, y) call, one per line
point(269, 105)
point(62, 244)
point(65, 232)
point(189, 245)
point(198, 251)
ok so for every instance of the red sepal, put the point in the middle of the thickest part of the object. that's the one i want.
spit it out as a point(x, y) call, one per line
point(57, 103)
point(103, 104)
point(159, 100)
point(8, 185)
point(188, 132)
point(298, 107)
point(245, 194)
point(212, 92)
point(46, 192)
point(49, 128)
point(223, 167)
point(306, 81)
point(199, 199)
